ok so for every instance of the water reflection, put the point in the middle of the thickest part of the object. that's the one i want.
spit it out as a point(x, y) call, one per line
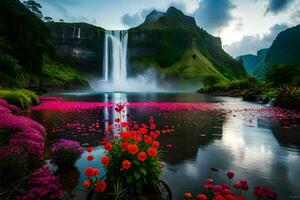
point(262, 151)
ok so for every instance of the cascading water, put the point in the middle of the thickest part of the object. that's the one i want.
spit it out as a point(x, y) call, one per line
point(115, 56)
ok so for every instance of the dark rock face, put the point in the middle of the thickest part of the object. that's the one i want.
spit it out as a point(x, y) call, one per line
point(81, 43)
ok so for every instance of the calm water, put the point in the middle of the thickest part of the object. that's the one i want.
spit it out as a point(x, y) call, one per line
point(230, 135)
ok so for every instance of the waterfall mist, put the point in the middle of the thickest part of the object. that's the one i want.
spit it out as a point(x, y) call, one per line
point(114, 71)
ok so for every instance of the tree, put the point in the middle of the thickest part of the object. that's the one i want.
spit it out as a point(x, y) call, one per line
point(287, 74)
point(48, 19)
point(61, 20)
point(211, 80)
point(34, 7)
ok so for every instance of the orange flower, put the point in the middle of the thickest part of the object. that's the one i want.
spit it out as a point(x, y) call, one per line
point(156, 144)
point(89, 171)
point(147, 139)
point(152, 152)
point(90, 157)
point(108, 146)
point(100, 186)
point(142, 156)
point(124, 146)
point(133, 148)
point(86, 184)
point(125, 136)
point(89, 149)
point(105, 160)
point(126, 164)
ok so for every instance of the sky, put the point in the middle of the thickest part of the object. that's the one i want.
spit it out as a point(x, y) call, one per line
point(244, 26)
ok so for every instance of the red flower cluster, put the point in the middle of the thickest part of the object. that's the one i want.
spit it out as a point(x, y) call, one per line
point(224, 192)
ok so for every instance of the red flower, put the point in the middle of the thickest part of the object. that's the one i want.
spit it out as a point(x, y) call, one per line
point(142, 156)
point(147, 139)
point(152, 152)
point(108, 146)
point(137, 138)
point(100, 186)
point(245, 186)
point(90, 157)
point(126, 164)
point(187, 195)
point(201, 197)
point(133, 149)
point(169, 146)
point(156, 144)
point(230, 174)
point(89, 171)
point(219, 197)
point(124, 124)
point(119, 107)
point(209, 181)
point(86, 184)
point(105, 160)
point(110, 128)
point(125, 136)
point(89, 149)
point(152, 126)
point(96, 171)
point(237, 185)
point(259, 192)
point(124, 146)
point(229, 197)
point(117, 120)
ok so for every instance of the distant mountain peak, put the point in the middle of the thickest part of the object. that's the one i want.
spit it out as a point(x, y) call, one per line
point(173, 10)
point(153, 16)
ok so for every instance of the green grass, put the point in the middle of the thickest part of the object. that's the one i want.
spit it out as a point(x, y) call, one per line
point(21, 98)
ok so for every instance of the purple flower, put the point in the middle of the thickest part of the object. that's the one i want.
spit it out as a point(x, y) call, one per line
point(43, 185)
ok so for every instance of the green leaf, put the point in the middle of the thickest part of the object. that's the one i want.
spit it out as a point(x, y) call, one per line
point(143, 171)
point(129, 179)
point(137, 175)
point(136, 162)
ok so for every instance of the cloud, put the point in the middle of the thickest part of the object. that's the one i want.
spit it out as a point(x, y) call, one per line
point(275, 6)
point(135, 19)
point(214, 15)
point(251, 44)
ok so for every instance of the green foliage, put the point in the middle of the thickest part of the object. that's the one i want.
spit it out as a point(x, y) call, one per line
point(211, 80)
point(59, 74)
point(280, 75)
point(26, 35)
point(21, 98)
point(12, 168)
point(288, 97)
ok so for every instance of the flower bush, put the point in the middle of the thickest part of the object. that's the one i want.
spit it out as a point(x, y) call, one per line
point(23, 144)
point(132, 156)
point(42, 185)
point(229, 191)
point(65, 153)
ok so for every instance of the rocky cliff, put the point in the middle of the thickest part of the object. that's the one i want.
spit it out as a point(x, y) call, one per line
point(81, 43)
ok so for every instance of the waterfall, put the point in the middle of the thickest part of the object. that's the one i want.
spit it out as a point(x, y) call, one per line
point(114, 56)
point(78, 34)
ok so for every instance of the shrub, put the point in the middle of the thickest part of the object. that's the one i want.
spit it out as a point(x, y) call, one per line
point(42, 185)
point(65, 153)
point(133, 155)
point(21, 98)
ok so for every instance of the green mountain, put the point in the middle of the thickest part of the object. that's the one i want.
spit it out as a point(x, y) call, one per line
point(27, 54)
point(285, 50)
point(177, 47)
point(250, 61)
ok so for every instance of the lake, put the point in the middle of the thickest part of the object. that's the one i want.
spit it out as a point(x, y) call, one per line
point(209, 136)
